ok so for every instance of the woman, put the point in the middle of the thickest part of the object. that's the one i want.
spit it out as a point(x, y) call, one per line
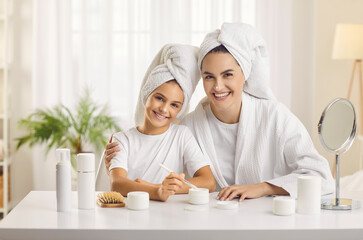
point(256, 146)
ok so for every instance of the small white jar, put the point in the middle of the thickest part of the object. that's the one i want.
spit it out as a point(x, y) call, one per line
point(199, 196)
point(283, 206)
point(138, 200)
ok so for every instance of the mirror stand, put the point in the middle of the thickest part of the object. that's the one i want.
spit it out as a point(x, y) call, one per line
point(337, 129)
point(337, 203)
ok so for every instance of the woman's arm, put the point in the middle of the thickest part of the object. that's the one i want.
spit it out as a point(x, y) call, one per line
point(120, 183)
point(250, 191)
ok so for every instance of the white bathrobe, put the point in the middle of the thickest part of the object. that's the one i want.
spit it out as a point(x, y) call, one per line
point(272, 146)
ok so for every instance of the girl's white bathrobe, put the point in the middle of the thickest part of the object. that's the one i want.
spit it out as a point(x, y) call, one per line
point(272, 146)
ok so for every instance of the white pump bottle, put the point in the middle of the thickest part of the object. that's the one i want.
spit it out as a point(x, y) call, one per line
point(63, 181)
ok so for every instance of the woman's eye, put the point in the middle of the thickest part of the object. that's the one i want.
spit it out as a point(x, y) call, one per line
point(228, 75)
point(208, 77)
point(175, 105)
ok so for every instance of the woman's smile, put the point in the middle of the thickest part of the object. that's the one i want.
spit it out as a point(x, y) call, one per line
point(221, 96)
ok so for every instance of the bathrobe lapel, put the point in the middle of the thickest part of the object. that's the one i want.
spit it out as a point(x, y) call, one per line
point(247, 163)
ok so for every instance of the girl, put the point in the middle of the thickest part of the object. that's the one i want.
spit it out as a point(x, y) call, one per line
point(164, 95)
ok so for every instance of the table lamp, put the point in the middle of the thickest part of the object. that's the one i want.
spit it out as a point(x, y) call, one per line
point(348, 44)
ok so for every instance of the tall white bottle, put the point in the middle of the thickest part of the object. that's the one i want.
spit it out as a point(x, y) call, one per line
point(63, 180)
point(86, 180)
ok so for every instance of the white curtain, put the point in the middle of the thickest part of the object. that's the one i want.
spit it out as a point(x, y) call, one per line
point(106, 45)
point(274, 22)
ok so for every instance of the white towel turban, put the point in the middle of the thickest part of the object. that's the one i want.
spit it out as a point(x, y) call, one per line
point(174, 61)
point(249, 49)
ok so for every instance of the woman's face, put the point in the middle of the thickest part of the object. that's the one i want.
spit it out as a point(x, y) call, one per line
point(163, 105)
point(223, 80)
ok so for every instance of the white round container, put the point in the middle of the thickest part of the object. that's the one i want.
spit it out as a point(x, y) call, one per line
point(138, 200)
point(199, 196)
point(283, 206)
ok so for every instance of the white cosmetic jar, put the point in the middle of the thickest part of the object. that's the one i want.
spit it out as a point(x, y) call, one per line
point(283, 206)
point(199, 196)
point(138, 200)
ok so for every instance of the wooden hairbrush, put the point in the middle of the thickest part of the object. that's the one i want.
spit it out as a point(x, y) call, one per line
point(110, 199)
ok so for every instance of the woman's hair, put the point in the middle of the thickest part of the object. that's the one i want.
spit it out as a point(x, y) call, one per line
point(219, 49)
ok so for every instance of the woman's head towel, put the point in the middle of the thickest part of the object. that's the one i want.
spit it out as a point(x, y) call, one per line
point(174, 61)
point(249, 49)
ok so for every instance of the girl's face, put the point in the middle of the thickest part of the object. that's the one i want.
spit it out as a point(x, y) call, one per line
point(162, 106)
point(223, 80)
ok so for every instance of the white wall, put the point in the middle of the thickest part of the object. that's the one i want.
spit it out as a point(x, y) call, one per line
point(332, 76)
point(21, 98)
point(316, 79)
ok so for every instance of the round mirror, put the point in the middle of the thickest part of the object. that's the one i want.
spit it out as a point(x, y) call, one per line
point(337, 126)
point(337, 130)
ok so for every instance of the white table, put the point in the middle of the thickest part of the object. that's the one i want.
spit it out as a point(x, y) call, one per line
point(35, 217)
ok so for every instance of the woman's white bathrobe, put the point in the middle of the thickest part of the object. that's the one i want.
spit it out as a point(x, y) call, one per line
point(272, 146)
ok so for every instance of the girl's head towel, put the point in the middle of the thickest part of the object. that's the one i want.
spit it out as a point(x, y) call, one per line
point(249, 49)
point(174, 61)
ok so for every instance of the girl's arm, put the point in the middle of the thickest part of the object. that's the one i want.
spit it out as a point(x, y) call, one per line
point(203, 178)
point(120, 183)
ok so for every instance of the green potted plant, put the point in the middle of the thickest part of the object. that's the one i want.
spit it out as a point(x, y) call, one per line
point(60, 127)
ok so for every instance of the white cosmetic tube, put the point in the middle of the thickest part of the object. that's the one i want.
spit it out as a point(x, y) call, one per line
point(308, 194)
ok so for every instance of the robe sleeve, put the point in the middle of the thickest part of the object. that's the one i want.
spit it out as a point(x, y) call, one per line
point(193, 157)
point(299, 155)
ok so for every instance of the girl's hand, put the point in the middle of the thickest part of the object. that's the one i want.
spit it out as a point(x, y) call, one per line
point(111, 151)
point(243, 191)
point(171, 184)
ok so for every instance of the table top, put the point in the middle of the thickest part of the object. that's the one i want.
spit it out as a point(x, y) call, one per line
point(37, 211)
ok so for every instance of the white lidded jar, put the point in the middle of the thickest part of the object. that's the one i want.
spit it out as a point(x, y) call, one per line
point(63, 180)
point(86, 180)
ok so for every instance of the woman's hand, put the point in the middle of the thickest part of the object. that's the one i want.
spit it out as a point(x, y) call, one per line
point(171, 184)
point(243, 191)
point(110, 152)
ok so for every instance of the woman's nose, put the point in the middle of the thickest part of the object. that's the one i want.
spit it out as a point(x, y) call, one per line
point(218, 85)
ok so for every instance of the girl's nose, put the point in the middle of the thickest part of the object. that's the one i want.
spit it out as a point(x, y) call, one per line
point(163, 109)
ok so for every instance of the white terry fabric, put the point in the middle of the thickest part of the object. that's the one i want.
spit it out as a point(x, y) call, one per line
point(224, 140)
point(141, 154)
point(249, 49)
point(272, 146)
point(174, 61)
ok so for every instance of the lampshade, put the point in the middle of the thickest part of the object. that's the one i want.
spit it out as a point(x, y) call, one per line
point(348, 41)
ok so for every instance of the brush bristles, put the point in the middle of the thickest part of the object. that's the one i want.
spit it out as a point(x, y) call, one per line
point(110, 197)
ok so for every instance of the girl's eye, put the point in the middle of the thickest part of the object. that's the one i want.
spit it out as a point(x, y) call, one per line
point(228, 75)
point(208, 77)
point(159, 98)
